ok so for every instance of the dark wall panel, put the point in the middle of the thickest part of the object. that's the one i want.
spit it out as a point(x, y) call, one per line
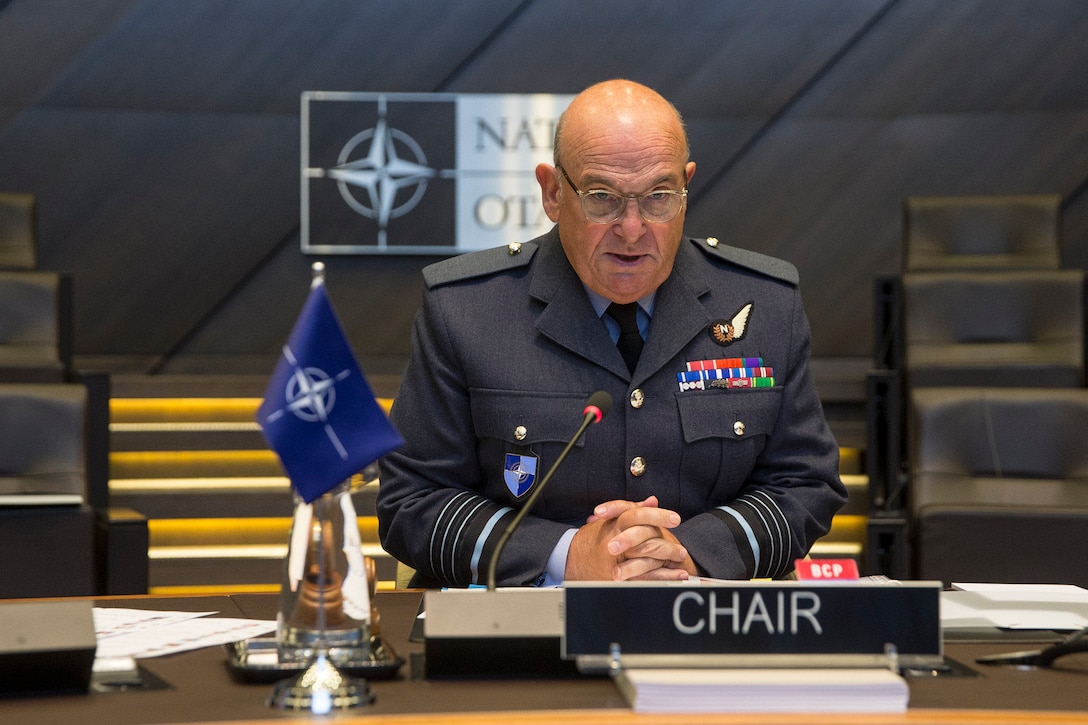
point(162, 140)
point(968, 56)
point(155, 214)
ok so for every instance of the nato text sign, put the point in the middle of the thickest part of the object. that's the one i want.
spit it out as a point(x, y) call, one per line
point(423, 173)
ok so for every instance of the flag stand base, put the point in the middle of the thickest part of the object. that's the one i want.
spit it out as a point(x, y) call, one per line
point(321, 689)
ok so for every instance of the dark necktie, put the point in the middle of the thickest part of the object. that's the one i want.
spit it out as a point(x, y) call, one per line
point(630, 342)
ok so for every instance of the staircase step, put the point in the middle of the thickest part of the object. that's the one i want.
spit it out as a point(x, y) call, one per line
point(241, 568)
point(247, 553)
point(255, 531)
point(194, 464)
point(183, 410)
point(164, 498)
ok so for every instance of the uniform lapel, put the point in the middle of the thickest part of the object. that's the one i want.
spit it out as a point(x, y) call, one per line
point(568, 318)
point(679, 315)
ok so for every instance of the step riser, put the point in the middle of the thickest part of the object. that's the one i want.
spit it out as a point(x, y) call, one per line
point(195, 572)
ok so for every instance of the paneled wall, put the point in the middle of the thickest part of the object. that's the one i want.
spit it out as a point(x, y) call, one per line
point(161, 138)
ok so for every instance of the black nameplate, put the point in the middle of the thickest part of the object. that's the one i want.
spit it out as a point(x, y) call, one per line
point(787, 620)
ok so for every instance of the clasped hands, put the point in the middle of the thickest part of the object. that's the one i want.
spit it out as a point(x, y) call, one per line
point(625, 540)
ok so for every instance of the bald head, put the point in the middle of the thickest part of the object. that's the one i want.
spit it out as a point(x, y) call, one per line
point(623, 141)
point(618, 104)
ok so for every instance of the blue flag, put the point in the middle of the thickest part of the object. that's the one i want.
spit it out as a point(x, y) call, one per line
point(319, 414)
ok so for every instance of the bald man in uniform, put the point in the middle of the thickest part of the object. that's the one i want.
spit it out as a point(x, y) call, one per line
point(692, 473)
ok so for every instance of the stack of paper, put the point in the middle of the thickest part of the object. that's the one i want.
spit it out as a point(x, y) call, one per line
point(763, 690)
point(144, 633)
point(1062, 607)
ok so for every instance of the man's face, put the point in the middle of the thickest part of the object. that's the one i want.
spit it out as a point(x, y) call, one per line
point(628, 258)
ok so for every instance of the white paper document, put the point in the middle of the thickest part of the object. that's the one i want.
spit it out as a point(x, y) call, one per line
point(141, 633)
point(764, 690)
point(1059, 607)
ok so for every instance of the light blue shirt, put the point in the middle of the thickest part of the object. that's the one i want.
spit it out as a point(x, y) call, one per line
point(645, 313)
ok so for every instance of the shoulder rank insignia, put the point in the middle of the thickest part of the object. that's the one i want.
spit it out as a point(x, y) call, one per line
point(726, 332)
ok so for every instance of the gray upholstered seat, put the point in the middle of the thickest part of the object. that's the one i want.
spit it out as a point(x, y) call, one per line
point(18, 231)
point(981, 232)
point(1019, 328)
point(35, 344)
point(46, 549)
point(999, 484)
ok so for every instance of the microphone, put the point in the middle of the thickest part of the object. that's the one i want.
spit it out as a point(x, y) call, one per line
point(516, 630)
point(597, 407)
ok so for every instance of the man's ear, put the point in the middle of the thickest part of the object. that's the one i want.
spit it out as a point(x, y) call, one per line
point(548, 178)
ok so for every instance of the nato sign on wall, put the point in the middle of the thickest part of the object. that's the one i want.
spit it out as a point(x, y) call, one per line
point(407, 173)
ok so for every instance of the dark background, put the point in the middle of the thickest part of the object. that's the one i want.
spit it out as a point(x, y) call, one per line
point(161, 138)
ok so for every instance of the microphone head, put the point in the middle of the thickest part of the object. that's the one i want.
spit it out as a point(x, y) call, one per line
point(598, 404)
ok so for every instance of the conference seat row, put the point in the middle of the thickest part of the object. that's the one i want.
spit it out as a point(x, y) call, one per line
point(58, 534)
point(977, 405)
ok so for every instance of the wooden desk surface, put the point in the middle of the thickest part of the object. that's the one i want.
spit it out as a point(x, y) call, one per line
point(203, 690)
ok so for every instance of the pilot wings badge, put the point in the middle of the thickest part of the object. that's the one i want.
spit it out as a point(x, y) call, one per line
point(726, 332)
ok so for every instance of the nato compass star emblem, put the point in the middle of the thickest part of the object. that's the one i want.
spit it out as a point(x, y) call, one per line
point(519, 473)
point(311, 395)
point(381, 162)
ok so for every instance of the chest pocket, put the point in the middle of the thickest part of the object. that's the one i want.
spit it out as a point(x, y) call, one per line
point(538, 424)
point(724, 433)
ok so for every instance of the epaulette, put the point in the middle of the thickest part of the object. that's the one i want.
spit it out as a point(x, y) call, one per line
point(779, 269)
point(479, 264)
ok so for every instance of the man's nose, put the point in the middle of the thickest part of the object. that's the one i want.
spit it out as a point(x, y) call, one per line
point(631, 222)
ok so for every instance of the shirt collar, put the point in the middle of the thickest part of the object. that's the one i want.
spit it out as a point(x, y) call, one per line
point(600, 304)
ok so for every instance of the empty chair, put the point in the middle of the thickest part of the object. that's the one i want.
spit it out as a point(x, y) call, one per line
point(999, 484)
point(18, 231)
point(47, 528)
point(993, 328)
point(35, 326)
point(981, 232)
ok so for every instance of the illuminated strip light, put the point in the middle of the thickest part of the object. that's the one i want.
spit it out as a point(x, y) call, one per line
point(182, 485)
point(836, 548)
point(206, 589)
point(197, 427)
point(249, 551)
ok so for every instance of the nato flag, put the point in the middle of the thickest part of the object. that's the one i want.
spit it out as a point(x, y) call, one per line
point(318, 413)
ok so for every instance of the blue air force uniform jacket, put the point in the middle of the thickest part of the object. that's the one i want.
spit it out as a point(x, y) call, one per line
point(506, 349)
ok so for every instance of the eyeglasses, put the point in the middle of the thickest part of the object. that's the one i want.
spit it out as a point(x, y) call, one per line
point(605, 207)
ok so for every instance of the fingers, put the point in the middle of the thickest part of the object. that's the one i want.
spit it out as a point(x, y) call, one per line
point(676, 565)
point(638, 525)
point(667, 551)
point(587, 558)
point(613, 509)
point(648, 516)
point(662, 573)
point(659, 556)
point(629, 540)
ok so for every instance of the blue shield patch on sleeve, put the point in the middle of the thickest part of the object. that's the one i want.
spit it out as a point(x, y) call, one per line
point(519, 473)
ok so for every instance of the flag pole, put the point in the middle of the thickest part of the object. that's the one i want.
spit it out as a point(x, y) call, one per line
point(317, 277)
point(321, 649)
point(321, 688)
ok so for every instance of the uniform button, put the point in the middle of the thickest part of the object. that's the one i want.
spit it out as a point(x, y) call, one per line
point(712, 241)
point(520, 433)
point(513, 248)
point(638, 466)
point(637, 398)
point(738, 428)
